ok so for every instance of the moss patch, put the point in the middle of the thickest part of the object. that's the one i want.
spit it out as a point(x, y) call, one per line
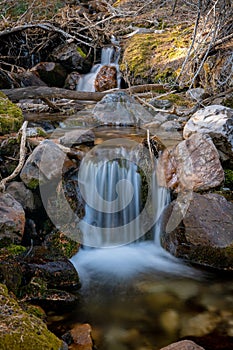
point(11, 116)
point(20, 330)
point(156, 57)
point(12, 250)
point(228, 178)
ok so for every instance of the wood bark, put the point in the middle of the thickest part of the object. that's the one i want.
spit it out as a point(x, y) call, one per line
point(35, 92)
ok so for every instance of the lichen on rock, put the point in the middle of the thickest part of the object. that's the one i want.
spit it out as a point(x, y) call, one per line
point(20, 330)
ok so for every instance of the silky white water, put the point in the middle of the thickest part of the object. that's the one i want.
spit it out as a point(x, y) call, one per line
point(109, 56)
point(116, 215)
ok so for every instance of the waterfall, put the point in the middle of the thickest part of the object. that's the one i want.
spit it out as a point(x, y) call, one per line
point(109, 56)
point(117, 217)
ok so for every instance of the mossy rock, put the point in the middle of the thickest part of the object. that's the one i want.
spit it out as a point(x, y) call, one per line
point(61, 244)
point(20, 330)
point(156, 58)
point(228, 178)
point(11, 116)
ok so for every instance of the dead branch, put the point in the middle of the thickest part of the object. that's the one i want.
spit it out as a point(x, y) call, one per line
point(34, 92)
point(22, 155)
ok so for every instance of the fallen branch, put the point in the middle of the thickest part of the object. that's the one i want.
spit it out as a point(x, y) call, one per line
point(35, 92)
point(22, 155)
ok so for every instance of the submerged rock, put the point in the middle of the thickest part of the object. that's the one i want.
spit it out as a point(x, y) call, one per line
point(20, 330)
point(205, 234)
point(217, 122)
point(192, 165)
point(79, 337)
point(183, 345)
point(12, 220)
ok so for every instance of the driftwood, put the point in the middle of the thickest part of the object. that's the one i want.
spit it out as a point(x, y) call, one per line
point(42, 92)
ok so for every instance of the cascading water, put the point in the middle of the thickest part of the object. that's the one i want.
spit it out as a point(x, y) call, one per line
point(109, 56)
point(118, 216)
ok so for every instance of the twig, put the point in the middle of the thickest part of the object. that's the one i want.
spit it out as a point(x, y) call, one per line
point(22, 155)
point(149, 145)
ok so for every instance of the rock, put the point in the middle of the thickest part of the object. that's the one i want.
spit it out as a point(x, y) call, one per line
point(22, 194)
point(106, 78)
point(192, 165)
point(20, 330)
point(77, 137)
point(29, 79)
point(81, 336)
point(11, 117)
point(6, 80)
point(196, 94)
point(217, 122)
point(183, 345)
point(120, 108)
point(171, 125)
point(72, 80)
point(170, 321)
point(43, 165)
point(201, 324)
point(157, 103)
point(53, 74)
point(60, 243)
point(12, 219)
point(205, 234)
point(71, 57)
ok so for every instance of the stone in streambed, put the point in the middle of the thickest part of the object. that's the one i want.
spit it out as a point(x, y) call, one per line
point(192, 165)
point(106, 78)
point(79, 337)
point(77, 137)
point(217, 122)
point(205, 234)
point(183, 345)
point(12, 220)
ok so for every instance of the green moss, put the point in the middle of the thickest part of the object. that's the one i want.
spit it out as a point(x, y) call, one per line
point(12, 250)
point(62, 244)
point(19, 330)
point(11, 116)
point(36, 311)
point(178, 99)
point(33, 184)
point(228, 178)
point(156, 57)
point(81, 53)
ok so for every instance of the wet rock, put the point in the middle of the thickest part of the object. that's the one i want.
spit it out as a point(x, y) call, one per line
point(106, 78)
point(59, 243)
point(77, 137)
point(11, 117)
point(203, 234)
point(22, 194)
point(217, 122)
point(43, 165)
point(200, 324)
point(51, 73)
point(171, 125)
point(196, 94)
point(120, 108)
point(20, 330)
point(79, 338)
point(157, 103)
point(72, 80)
point(71, 56)
point(183, 345)
point(12, 220)
point(192, 165)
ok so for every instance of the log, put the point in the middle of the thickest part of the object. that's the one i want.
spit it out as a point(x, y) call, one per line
point(35, 92)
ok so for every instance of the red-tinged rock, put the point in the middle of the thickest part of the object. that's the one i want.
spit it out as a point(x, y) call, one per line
point(106, 78)
point(12, 219)
point(183, 345)
point(81, 335)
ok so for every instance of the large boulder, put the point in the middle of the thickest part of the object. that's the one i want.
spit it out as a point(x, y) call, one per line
point(183, 345)
point(43, 165)
point(21, 330)
point(205, 234)
point(192, 165)
point(106, 78)
point(22, 194)
point(12, 220)
point(217, 122)
point(121, 109)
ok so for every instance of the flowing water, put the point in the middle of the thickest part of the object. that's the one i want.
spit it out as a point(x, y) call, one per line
point(109, 56)
point(134, 294)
